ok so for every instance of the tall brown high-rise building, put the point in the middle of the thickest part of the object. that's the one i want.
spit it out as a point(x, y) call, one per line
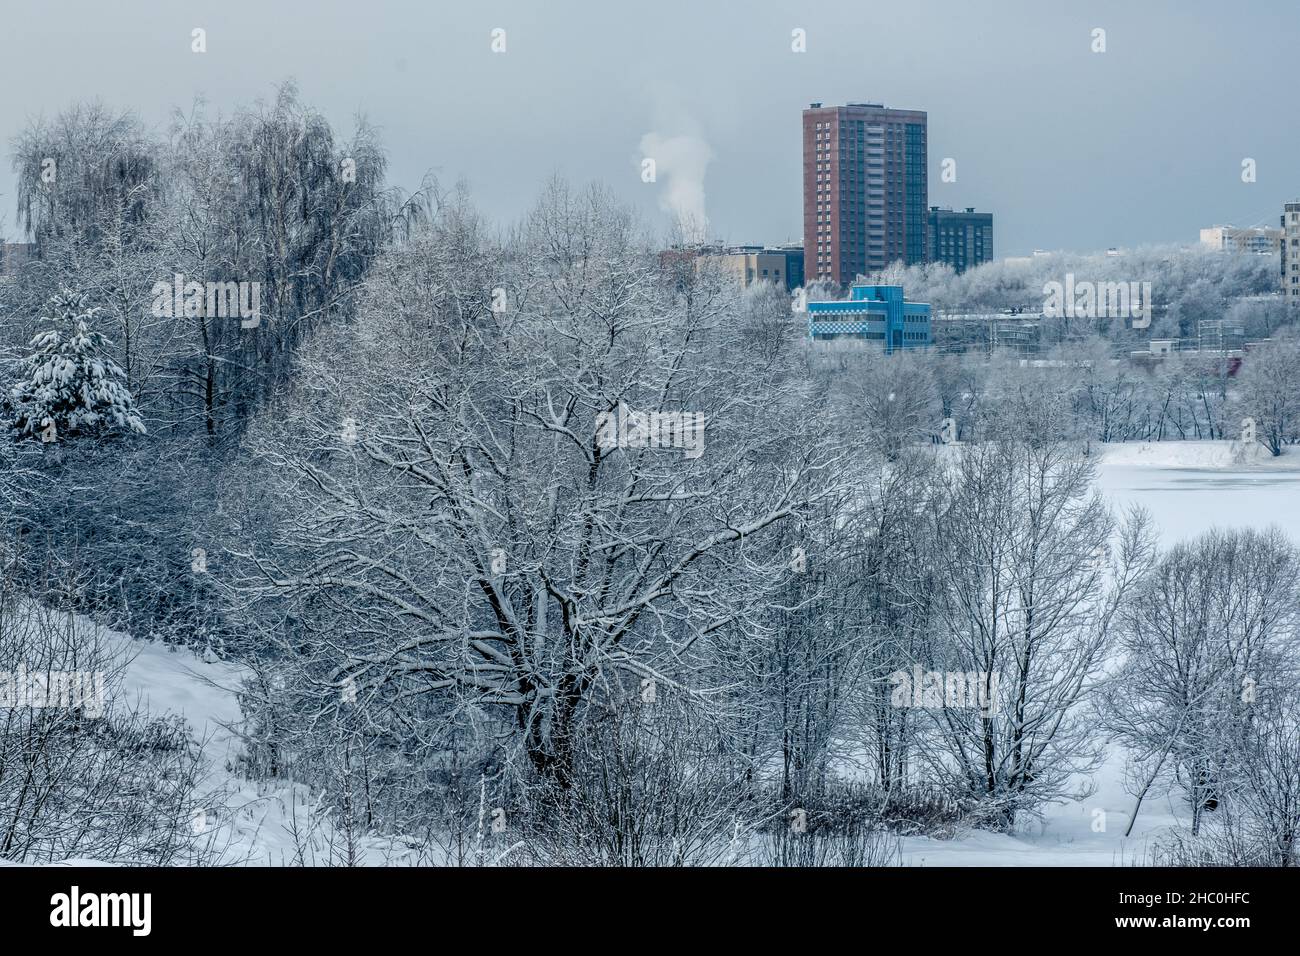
point(864, 189)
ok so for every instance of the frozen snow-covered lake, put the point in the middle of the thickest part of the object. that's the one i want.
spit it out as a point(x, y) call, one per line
point(1192, 486)
point(1185, 502)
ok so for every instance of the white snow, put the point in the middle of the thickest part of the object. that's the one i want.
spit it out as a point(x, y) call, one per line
point(1194, 454)
point(245, 822)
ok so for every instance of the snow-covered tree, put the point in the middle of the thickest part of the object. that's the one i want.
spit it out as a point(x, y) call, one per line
point(69, 386)
point(1033, 566)
point(1269, 393)
point(1207, 644)
point(540, 566)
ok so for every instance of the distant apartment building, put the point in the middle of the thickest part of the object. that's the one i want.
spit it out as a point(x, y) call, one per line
point(1291, 252)
point(864, 189)
point(961, 239)
point(794, 271)
point(872, 313)
point(750, 264)
point(781, 266)
point(1259, 240)
point(13, 255)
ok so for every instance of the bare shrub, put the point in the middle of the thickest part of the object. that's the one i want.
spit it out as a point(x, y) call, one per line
point(652, 786)
point(84, 775)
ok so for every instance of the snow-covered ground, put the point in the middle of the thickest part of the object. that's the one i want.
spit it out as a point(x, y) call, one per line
point(1188, 487)
point(238, 822)
point(1195, 454)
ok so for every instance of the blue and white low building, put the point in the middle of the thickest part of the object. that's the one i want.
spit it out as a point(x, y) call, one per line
point(872, 313)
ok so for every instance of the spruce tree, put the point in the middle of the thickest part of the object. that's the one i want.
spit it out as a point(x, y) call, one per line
point(69, 386)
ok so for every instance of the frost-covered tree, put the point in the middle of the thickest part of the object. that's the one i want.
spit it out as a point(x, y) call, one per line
point(460, 491)
point(1029, 583)
point(70, 386)
point(1269, 394)
point(1208, 634)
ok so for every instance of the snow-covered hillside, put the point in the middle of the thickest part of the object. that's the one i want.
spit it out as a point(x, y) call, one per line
point(236, 821)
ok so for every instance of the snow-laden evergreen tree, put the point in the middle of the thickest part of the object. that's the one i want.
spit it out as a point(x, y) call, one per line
point(69, 386)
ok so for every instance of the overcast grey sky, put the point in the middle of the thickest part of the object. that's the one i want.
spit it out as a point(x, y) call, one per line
point(1066, 147)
